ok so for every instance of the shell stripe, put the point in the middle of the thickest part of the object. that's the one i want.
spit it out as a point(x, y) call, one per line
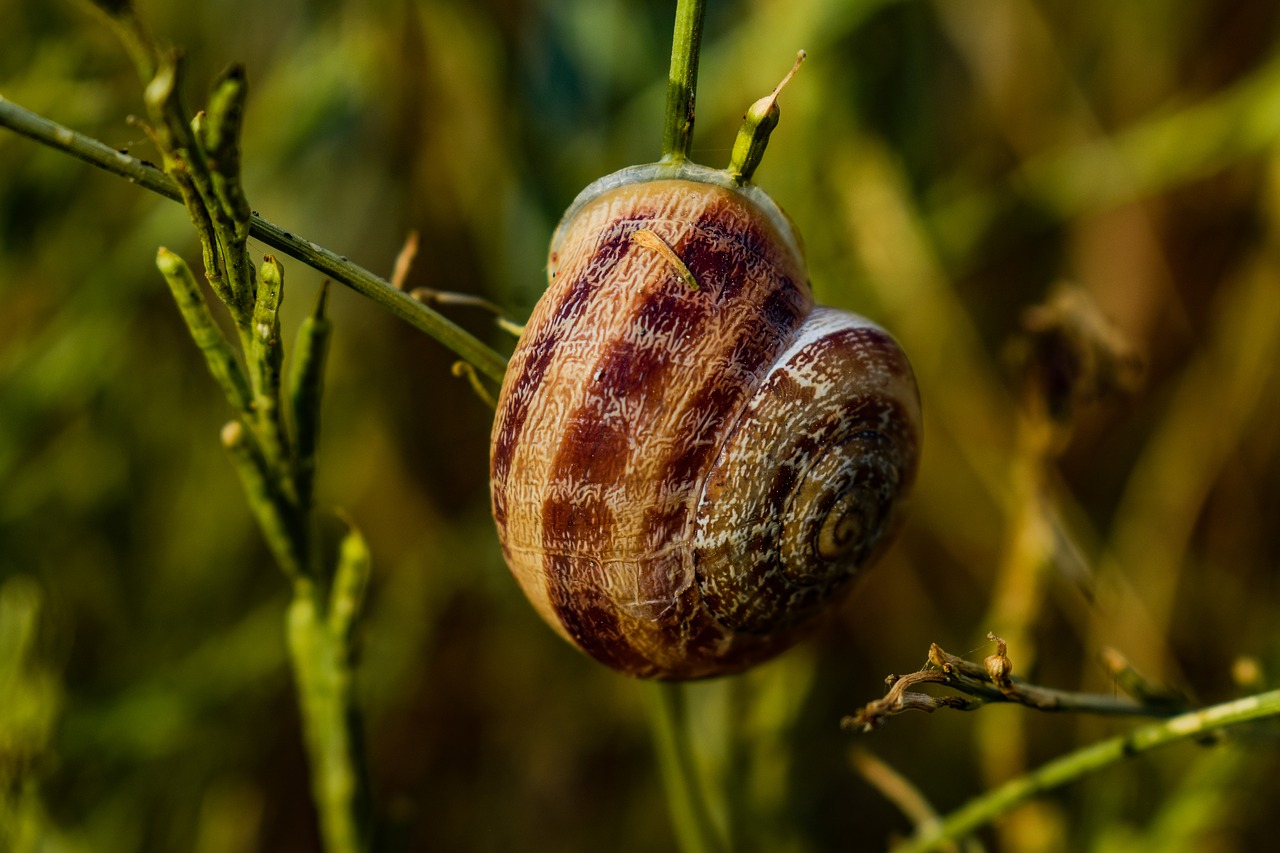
point(537, 357)
point(646, 385)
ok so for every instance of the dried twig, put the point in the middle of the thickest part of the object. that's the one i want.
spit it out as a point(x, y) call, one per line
point(404, 261)
point(426, 295)
point(992, 681)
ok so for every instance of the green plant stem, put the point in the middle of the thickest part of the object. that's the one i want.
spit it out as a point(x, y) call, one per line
point(322, 668)
point(690, 814)
point(466, 371)
point(202, 169)
point(682, 82)
point(91, 151)
point(1068, 768)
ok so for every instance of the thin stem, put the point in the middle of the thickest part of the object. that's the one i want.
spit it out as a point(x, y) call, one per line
point(1073, 766)
point(466, 371)
point(682, 82)
point(690, 815)
point(91, 151)
point(201, 159)
point(404, 306)
point(900, 791)
point(88, 149)
point(444, 297)
point(322, 667)
point(991, 682)
point(123, 19)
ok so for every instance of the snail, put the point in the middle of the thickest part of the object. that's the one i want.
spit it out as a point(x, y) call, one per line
point(690, 461)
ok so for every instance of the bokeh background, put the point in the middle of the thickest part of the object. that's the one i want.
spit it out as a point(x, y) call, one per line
point(951, 163)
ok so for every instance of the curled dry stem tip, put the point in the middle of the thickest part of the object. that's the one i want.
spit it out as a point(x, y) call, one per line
point(467, 370)
point(992, 681)
point(404, 261)
point(426, 295)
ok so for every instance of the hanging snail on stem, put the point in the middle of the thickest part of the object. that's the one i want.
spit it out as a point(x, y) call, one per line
point(690, 460)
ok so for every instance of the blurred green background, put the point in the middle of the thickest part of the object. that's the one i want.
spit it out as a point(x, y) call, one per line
point(949, 163)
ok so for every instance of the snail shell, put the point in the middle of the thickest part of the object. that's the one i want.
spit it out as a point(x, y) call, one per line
point(690, 461)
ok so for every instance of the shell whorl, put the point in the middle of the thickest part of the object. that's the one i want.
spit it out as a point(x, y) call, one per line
point(632, 396)
point(831, 440)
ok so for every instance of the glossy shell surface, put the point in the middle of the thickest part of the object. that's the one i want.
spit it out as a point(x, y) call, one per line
point(684, 478)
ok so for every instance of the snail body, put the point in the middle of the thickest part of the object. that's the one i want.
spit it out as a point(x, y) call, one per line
point(690, 461)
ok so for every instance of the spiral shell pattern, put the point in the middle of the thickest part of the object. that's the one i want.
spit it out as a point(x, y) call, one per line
point(689, 461)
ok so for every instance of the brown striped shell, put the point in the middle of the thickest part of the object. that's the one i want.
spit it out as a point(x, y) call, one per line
point(690, 462)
